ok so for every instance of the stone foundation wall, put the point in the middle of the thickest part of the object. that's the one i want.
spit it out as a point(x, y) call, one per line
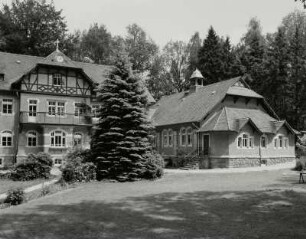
point(244, 162)
point(7, 161)
point(274, 161)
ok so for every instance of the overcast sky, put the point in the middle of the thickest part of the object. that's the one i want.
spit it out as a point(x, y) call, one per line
point(164, 20)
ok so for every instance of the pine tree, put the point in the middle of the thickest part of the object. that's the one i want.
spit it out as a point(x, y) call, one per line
point(120, 140)
point(210, 58)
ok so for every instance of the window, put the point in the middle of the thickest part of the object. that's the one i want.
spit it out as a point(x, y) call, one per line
point(1, 162)
point(77, 139)
point(94, 110)
point(7, 106)
point(245, 140)
point(189, 136)
point(56, 108)
point(32, 139)
point(165, 138)
point(281, 141)
point(79, 109)
point(32, 108)
point(286, 142)
point(58, 139)
point(263, 141)
point(57, 79)
point(170, 137)
point(6, 139)
point(239, 142)
point(251, 142)
point(275, 142)
point(58, 162)
point(183, 136)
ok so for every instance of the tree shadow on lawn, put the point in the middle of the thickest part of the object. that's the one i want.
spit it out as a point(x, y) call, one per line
point(260, 214)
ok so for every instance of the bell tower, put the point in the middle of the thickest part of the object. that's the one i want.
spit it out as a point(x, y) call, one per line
point(196, 81)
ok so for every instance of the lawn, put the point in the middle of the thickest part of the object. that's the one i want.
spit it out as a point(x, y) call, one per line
point(237, 205)
point(6, 184)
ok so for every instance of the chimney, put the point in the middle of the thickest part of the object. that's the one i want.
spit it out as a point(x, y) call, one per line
point(196, 81)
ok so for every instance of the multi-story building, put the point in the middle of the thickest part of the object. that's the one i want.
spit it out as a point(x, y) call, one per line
point(46, 105)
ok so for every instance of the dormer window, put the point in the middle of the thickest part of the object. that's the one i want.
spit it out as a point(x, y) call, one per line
point(57, 79)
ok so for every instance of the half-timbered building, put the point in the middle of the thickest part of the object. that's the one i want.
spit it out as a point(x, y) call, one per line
point(46, 104)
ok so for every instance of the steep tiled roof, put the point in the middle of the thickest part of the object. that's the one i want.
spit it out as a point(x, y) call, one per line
point(14, 66)
point(234, 119)
point(192, 107)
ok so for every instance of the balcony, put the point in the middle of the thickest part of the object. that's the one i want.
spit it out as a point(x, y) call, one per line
point(63, 119)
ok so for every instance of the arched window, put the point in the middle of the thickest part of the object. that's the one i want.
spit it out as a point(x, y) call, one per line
point(281, 141)
point(275, 142)
point(183, 136)
point(77, 139)
point(165, 138)
point(32, 139)
point(58, 139)
point(263, 141)
point(189, 136)
point(245, 140)
point(6, 138)
point(170, 137)
point(239, 142)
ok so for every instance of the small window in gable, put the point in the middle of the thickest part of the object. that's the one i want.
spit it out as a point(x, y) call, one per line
point(286, 142)
point(281, 141)
point(245, 140)
point(251, 142)
point(57, 79)
point(275, 142)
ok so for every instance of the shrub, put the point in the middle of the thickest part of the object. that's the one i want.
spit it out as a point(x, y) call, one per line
point(156, 159)
point(153, 172)
point(78, 156)
point(15, 197)
point(299, 166)
point(83, 172)
point(35, 166)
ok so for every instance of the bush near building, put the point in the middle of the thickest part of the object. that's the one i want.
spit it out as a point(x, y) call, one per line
point(34, 167)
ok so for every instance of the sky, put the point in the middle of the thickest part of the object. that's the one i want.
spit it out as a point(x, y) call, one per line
point(166, 20)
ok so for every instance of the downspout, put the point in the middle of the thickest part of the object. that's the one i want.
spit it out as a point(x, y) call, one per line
point(16, 139)
point(260, 152)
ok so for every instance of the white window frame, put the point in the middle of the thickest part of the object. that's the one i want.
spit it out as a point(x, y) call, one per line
point(8, 102)
point(56, 162)
point(78, 110)
point(170, 138)
point(165, 138)
point(94, 109)
point(32, 106)
point(245, 141)
point(32, 137)
point(58, 135)
point(7, 134)
point(56, 108)
point(266, 141)
point(183, 133)
point(57, 79)
point(74, 137)
point(189, 135)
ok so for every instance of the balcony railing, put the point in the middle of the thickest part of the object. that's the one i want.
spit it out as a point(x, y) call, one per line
point(65, 119)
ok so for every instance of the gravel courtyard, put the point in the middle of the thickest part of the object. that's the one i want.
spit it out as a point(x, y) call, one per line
point(265, 204)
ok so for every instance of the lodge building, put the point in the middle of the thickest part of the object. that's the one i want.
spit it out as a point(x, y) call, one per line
point(46, 105)
point(221, 125)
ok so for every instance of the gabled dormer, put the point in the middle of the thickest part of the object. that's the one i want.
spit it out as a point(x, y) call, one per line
point(56, 74)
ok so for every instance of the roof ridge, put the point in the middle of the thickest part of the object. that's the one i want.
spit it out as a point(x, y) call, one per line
point(226, 117)
point(16, 54)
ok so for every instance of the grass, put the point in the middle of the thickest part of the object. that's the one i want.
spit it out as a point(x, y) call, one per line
point(240, 205)
point(7, 184)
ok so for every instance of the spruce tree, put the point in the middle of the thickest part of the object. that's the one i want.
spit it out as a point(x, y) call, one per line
point(210, 58)
point(121, 138)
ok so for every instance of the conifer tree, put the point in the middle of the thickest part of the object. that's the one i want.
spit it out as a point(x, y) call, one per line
point(210, 58)
point(120, 140)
